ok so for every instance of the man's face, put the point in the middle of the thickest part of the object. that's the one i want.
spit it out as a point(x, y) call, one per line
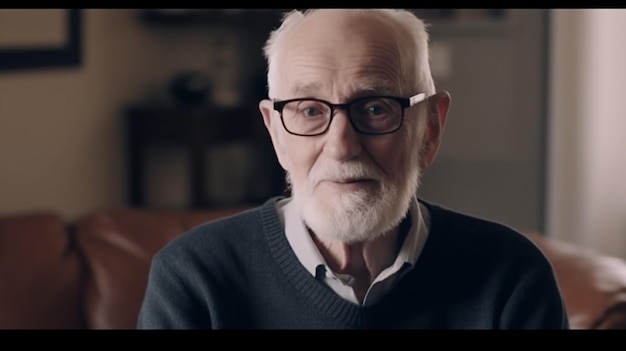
point(348, 186)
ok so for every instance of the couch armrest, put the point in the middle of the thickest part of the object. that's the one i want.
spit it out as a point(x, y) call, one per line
point(593, 285)
point(40, 274)
point(118, 246)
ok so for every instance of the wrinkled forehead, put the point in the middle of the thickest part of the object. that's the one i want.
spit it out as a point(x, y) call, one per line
point(365, 86)
point(340, 50)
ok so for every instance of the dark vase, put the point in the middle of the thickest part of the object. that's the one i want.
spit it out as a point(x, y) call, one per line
point(190, 88)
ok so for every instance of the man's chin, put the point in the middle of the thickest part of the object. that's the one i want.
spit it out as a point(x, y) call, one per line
point(346, 195)
point(348, 226)
point(367, 185)
point(346, 216)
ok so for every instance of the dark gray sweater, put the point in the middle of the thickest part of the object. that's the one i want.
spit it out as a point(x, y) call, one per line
point(240, 273)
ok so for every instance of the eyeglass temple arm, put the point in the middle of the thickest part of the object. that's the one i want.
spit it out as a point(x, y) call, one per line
point(417, 99)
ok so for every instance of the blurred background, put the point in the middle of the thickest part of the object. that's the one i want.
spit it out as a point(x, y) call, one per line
point(157, 108)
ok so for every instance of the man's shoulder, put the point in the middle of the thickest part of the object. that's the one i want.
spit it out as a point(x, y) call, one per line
point(470, 232)
point(229, 231)
point(452, 220)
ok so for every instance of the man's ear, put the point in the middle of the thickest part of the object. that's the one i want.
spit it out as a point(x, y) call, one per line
point(438, 106)
point(272, 124)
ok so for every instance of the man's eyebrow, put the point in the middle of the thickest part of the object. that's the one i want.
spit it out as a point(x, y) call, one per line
point(307, 89)
point(378, 86)
point(374, 87)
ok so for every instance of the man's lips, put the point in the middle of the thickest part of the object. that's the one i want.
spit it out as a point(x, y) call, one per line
point(350, 180)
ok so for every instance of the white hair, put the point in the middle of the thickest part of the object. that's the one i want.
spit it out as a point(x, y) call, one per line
point(411, 36)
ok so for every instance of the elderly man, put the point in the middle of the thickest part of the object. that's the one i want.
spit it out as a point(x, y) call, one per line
point(354, 118)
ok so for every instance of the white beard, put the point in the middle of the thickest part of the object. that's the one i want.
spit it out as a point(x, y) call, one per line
point(355, 216)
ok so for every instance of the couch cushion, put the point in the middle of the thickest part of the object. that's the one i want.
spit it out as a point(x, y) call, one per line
point(118, 246)
point(593, 285)
point(40, 274)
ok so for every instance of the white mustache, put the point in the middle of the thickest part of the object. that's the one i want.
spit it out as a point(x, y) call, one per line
point(344, 172)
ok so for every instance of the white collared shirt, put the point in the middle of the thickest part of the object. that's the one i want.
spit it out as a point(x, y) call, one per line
point(311, 258)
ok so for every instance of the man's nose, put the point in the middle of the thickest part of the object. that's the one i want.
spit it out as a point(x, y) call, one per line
point(342, 142)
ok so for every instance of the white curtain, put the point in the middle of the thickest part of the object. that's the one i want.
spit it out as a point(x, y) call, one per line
point(587, 129)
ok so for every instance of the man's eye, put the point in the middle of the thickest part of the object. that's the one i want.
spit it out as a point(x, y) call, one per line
point(311, 109)
point(376, 110)
point(311, 112)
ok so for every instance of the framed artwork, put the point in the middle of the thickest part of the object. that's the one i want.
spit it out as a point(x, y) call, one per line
point(40, 38)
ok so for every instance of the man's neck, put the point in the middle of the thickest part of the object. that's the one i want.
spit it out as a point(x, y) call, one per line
point(364, 260)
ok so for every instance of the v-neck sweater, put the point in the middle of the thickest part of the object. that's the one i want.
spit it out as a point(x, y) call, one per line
point(240, 272)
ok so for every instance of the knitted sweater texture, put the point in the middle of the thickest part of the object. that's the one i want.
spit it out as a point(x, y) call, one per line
point(240, 272)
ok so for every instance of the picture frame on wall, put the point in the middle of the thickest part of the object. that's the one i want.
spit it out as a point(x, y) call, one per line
point(56, 40)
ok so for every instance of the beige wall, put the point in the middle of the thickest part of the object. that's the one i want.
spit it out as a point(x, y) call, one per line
point(61, 136)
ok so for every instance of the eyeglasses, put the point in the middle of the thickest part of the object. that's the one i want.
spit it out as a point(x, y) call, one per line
point(373, 115)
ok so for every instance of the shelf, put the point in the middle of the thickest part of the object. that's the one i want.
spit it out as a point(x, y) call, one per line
point(211, 125)
point(253, 19)
point(197, 130)
point(466, 22)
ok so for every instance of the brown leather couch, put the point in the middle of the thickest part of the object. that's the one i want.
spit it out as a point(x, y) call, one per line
point(91, 274)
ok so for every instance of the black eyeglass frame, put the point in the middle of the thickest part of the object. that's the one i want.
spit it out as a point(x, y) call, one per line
point(405, 102)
